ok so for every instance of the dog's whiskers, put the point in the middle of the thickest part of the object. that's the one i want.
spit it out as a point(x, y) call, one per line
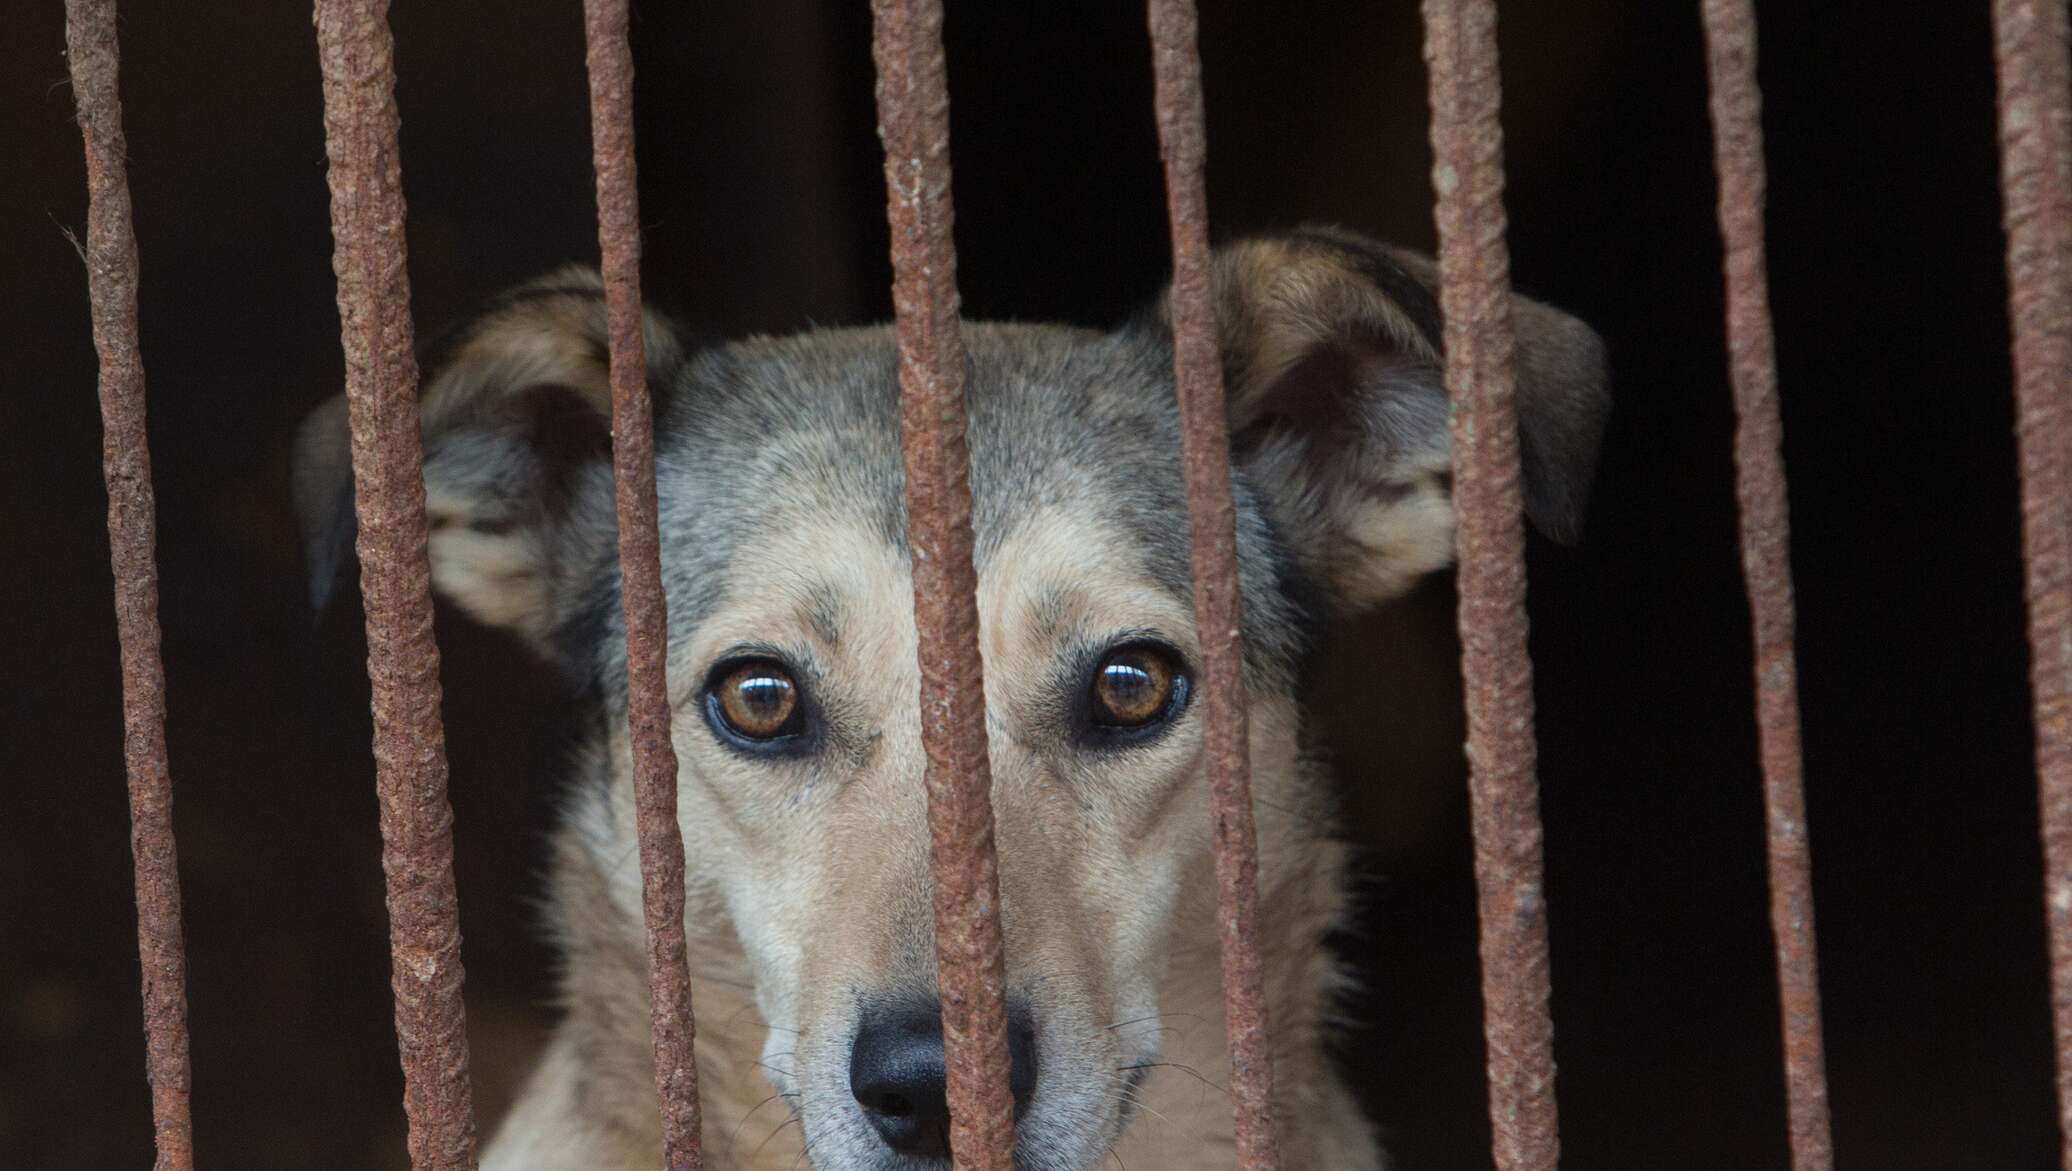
point(805, 1146)
point(1188, 1070)
point(785, 1074)
point(1156, 1016)
point(1128, 1093)
point(734, 1138)
point(792, 1120)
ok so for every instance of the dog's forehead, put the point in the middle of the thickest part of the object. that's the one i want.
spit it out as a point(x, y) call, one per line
point(835, 589)
point(780, 457)
point(805, 430)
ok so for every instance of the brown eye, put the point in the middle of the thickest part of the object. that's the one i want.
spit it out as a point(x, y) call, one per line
point(757, 699)
point(1133, 687)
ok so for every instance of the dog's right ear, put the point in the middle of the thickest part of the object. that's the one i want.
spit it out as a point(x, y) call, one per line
point(516, 412)
point(1339, 414)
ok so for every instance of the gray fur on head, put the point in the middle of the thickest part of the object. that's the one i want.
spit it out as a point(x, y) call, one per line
point(1338, 419)
point(782, 522)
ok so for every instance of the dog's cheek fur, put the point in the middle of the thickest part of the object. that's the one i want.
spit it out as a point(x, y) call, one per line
point(821, 867)
point(783, 528)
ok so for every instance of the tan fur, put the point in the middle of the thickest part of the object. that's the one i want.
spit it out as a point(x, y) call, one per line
point(545, 337)
point(807, 885)
point(1396, 543)
point(495, 575)
point(1277, 299)
point(1114, 910)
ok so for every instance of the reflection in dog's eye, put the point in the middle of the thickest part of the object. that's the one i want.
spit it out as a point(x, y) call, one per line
point(758, 699)
point(1133, 687)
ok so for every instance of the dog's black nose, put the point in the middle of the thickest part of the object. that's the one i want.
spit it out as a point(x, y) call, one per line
point(896, 1073)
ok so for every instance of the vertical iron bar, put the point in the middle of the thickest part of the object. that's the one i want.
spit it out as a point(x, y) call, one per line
point(2036, 182)
point(610, 62)
point(1218, 605)
point(357, 54)
point(111, 277)
point(914, 124)
point(1474, 280)
point(1737, 131)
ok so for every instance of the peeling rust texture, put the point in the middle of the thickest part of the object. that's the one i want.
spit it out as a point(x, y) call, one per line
point(111, 274)
point(1205, 454)
point(2036, 182)
point(1474, 277)
point(610, 60)
point(914, 124)
point(1730, 37)
point(360, 124)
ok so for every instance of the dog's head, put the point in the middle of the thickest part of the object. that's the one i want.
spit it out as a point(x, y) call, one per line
point(792, 653)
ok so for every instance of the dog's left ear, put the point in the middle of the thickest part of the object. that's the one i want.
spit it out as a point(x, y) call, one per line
point(1339, 415)
point(516, 424)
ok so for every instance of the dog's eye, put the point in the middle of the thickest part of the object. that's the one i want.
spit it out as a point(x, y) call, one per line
point(1135, 686)
point(757, 700)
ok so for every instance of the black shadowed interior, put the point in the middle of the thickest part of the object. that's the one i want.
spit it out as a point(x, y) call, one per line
point(762, 206)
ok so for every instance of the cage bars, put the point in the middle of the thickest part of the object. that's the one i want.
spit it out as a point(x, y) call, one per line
point(357, 56)
point(610, 62)
point(110, 253)
point(1474, 298)
point(2036, 184)
point(1218, 604)
point(1730, 38)
point(361, 123)
point(914, 124)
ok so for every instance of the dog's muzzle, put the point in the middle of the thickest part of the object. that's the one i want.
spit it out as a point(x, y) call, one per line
point(896, 1073)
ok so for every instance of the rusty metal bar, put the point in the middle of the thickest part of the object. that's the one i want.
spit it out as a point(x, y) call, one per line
point(610, 61)
point(1474, 280)
point(357, 55)
point(1737, 129)
point(914, 123)
point(1218, 605)
point(2030, 44)
point(111, 279)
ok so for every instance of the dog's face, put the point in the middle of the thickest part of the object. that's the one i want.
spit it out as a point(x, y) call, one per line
point(792, 649)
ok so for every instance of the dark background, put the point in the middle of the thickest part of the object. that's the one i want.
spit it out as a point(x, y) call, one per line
point(762, 198)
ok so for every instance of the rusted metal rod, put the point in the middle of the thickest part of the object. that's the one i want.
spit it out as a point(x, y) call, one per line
point(610, 60)
point(1218, 606)
point(1474, 280)
point(2036, 182)
point(357, 55)
point(914, 123)
point(1737, 131)
point(111, 280)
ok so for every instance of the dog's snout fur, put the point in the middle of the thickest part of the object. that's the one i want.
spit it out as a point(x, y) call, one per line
point(784, 556)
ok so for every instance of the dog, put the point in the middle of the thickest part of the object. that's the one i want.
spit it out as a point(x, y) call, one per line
point(793, 682)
